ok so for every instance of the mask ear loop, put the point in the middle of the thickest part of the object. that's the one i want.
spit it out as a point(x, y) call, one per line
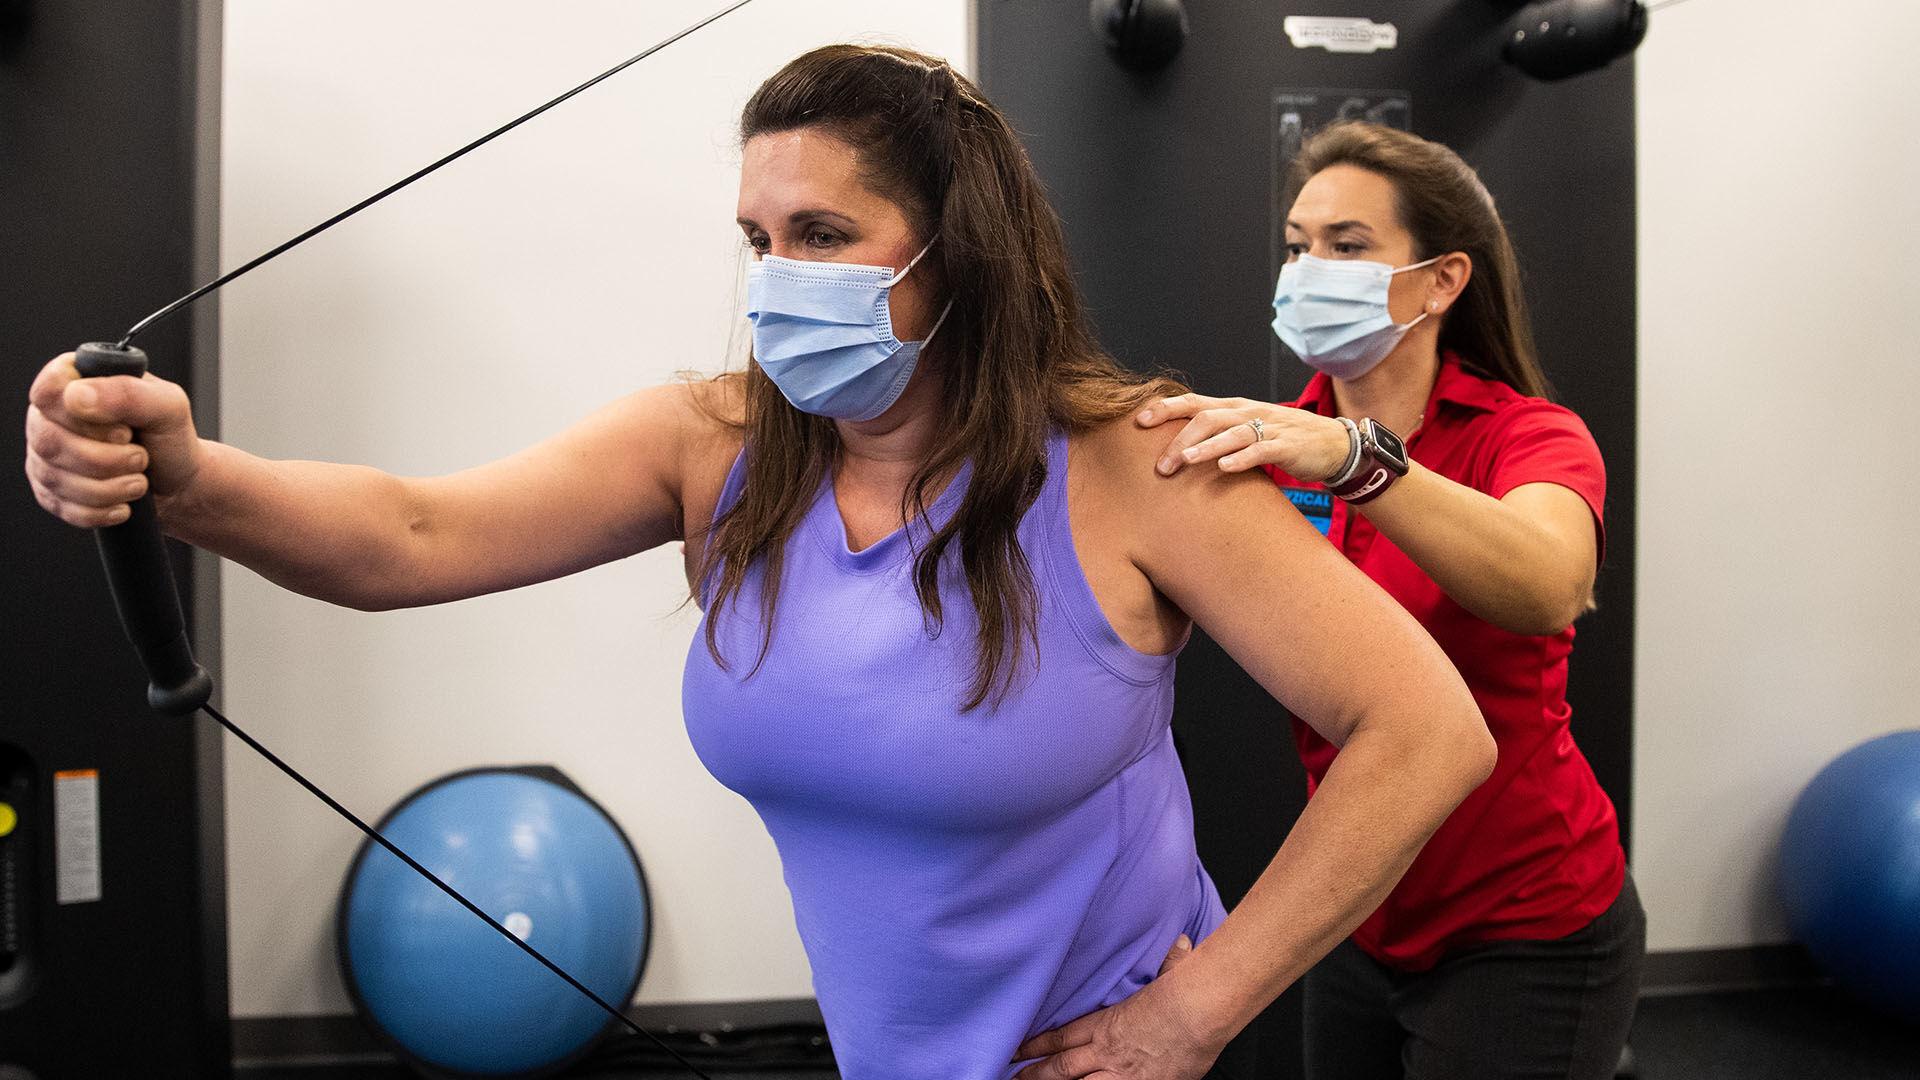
point(937, 322)
point(911, 263)
point(1418, 319)
point(897, 278)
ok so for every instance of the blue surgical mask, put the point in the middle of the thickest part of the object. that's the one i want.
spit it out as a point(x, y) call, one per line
point(1333, 313)
point(822, 331)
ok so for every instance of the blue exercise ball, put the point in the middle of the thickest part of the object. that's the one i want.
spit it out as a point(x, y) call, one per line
point(1850, 871)
point(446, 991)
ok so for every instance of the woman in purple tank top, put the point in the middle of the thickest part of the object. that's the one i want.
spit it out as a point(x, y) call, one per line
point(945, 588)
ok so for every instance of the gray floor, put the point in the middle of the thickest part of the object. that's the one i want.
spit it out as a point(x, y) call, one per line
point(1812, 1033)
point(1806, 1033)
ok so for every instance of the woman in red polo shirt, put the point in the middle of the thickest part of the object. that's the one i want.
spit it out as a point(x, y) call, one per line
point(1426, 449)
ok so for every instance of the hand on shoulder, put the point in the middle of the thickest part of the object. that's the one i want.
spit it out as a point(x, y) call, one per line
point(1242, 434)
point(1162, 514)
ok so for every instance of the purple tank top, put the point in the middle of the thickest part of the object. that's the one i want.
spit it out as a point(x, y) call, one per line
point(961, 881)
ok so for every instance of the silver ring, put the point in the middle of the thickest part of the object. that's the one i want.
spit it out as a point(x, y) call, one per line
point(1259, 429)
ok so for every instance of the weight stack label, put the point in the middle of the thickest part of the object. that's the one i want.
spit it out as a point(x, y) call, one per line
point(76, 835)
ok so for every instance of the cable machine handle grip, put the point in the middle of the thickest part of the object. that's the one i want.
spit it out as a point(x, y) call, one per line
point(135, 558)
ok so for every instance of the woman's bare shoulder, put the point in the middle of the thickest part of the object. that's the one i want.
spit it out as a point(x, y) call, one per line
point(713, 414)
point(1114, 468)
point(1117, 456)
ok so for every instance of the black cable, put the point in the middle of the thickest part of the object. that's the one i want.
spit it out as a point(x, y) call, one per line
point(374, 835)
point(391, 188)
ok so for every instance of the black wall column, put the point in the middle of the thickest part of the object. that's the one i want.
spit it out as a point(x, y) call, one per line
point(118, 963)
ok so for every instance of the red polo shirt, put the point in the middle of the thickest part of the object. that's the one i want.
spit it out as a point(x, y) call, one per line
point(1534, 853)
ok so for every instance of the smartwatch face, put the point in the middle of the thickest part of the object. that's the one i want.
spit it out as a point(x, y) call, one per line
point(1387, 444)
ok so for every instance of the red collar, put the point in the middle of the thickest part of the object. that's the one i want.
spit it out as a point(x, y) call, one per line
point(1455, 385)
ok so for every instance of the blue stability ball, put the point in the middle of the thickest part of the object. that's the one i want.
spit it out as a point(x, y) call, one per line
point(1850, 871)
point(443, 988)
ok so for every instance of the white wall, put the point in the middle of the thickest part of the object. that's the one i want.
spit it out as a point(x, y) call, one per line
point(590, 253)
point(1779, 202)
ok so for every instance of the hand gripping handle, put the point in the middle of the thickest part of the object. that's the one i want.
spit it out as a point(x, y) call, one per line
point(135, 557)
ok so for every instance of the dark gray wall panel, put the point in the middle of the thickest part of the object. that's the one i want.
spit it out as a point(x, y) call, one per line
point(108, 131)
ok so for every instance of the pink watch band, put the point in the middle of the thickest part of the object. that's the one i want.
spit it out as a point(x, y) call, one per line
point(1368, 482)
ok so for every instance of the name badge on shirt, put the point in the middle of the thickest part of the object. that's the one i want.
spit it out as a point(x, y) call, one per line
point(1316, 504)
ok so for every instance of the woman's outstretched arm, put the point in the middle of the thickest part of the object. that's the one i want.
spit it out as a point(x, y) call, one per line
point(607, 487)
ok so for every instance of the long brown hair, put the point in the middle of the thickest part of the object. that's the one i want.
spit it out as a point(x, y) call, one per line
point(1445, 206)
point(1014, 357)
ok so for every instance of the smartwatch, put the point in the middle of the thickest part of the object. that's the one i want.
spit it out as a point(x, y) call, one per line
point(1381, 459)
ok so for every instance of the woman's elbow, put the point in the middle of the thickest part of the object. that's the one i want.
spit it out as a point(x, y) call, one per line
point(1459, 743)
point(370, 603)
point(355, 596)
point(1447, 746)
point(1541, 620)
point(1565, 606)
point(1546, 609)
point(1475, 748)
point(371, 586)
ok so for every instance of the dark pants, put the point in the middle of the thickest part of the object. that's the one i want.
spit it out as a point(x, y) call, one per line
point(1535, 1009)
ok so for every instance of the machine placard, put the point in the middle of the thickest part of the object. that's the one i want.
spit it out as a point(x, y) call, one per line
point(76, 836)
